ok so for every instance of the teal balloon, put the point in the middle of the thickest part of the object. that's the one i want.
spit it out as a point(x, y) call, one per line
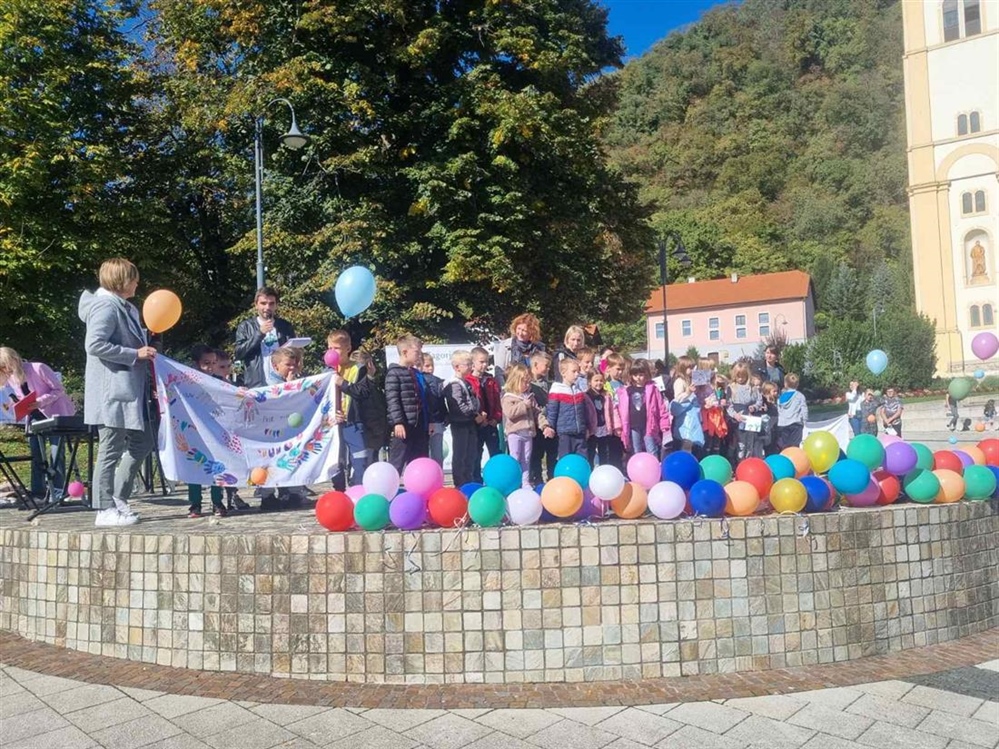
point(877, 361)
point(717, 468)
point(868, 450)
point(781, 467)
point(959, 388)
point(372, 512)
point(924, 456)
point(575, 467)
point(354, 291)
point(921, 486)
point(487, 507)
point(502, 472)
point(979, 482)
point(849, 476)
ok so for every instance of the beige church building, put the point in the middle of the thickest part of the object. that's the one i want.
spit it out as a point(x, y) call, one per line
point(952, 110)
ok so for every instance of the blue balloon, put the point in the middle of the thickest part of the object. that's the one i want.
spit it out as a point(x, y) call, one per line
point(996, 472)
point(707, 497)
point(877, 361)
point(979, 374)
point(952, 440)
point(575, 467)
point(849, 476)
point(470, 488)
point(781, 467)
point(818, 493)
point(502, 472)
point(682, 468)
point(355, 290)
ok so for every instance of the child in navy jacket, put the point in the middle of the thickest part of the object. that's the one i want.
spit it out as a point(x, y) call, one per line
point(566, 411)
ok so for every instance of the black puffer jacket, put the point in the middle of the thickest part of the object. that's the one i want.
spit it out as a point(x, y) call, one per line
point(402, 398)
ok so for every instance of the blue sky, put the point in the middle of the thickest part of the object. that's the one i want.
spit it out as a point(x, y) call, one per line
point(644, 22)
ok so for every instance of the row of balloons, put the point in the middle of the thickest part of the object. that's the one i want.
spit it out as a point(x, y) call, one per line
point(873, 471)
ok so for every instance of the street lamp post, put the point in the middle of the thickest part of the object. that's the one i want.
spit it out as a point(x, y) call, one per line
point(294, 139)
point(680, 253)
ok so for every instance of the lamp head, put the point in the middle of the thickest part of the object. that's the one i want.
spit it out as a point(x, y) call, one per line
point(294, 138)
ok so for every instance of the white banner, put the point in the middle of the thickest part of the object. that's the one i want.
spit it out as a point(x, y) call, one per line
point(212, 432)
point(839, 426)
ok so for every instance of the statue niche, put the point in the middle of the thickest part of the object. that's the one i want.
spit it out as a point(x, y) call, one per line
point(977, 259)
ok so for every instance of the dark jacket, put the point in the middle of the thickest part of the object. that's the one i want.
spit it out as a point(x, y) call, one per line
point(358, 389)
point(462, 403)
point(372, 411)
point(765, 375)
point(402, 397)
point(561, 353)
point(435, 399)
point(566, 410)
point(248, 340)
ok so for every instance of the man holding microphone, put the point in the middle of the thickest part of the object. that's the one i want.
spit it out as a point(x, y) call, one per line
point(257, 338)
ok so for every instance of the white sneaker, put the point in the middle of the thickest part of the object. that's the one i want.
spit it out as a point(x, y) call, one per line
point(112, 518)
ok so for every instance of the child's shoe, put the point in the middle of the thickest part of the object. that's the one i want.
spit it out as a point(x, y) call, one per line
point(219, 511)
point(194, 513)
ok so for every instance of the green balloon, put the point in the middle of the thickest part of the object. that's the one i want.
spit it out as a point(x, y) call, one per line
point(372, 512)
point(717, 468)
point(487, 506)
point(979, 482)
point(959, 388)
point(868, 450)
point(921, 485)
point(924, 456)
point(294, 420)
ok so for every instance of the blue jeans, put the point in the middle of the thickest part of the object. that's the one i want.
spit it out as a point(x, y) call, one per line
point(855, 425)
point(357, 451)
point(49, 451)
point(643, 443)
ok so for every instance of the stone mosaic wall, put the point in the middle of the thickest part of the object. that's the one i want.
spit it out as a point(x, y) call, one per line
point(563, 603)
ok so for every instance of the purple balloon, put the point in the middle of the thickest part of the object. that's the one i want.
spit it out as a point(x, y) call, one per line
point(868, 497)
point(408, 511)
point(593, 507)
point(900, 458)
point(985, 345)
point(966, 460)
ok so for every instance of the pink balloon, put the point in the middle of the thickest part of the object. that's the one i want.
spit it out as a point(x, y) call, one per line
point(423, 476)
point(985, 345)
point(866, 498)
point(76, 489)
point(331, 358)
point(355, 492)
point(644, 470)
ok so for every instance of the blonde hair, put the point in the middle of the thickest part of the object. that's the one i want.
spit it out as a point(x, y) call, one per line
point(11, 363)
point(461, 357)
point(614, 360)
point(117, 274)
point(541, 356)
point(586, 353)
point(791, 381)
point(338, 336)
point(571, 330)
point(769, 389)
point(683, 366)
point(532, 323)
point(287, 353)
point(740, 373)
point(408, 342)
point(516, 376)
point(364, 359)
point(566, 364)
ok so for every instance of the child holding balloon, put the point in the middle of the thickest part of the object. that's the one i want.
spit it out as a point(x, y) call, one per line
point(353, 387)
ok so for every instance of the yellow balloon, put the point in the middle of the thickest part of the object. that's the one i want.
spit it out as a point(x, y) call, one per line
point(161, 310)
point(741, 498)
point(822, 450)
point(788, 495)
point(632, 502)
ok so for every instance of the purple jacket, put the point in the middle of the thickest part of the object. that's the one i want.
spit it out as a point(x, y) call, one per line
point(52, 399)
point(657, 417)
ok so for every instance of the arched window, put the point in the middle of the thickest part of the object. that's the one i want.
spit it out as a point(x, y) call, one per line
point(962, 124)
point(976, 318)
point(980, 201)
point(951, 21)
point(966, 204)
point(972, 18)
point(988, 318)
point(975, 122)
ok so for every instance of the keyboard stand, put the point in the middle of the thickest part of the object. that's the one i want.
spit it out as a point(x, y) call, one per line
point(9, 475)
point(71, 441)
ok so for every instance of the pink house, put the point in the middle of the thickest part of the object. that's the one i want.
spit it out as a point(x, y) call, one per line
point(728, 318)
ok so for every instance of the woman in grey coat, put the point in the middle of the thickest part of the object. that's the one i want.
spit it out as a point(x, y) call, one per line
point(116, 384)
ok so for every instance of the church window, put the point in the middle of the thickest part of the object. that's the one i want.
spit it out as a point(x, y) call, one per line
point(988, 319)
point(962, 124)
point(972, 18)
point(975, 122)
point(976, 317)
point(951, 21)
point(966, 204)
point(980, 201)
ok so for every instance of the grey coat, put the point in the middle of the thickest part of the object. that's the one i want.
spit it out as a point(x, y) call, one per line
point(116, 384)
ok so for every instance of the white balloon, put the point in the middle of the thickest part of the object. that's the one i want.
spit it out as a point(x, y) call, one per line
point(667, 500)
point(381, 478)
point(524, 507)
point(607, 482)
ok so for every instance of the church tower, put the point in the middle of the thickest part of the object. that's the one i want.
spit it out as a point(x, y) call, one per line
point(951, 67)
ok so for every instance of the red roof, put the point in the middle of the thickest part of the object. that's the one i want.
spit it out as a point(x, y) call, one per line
point(723, 292)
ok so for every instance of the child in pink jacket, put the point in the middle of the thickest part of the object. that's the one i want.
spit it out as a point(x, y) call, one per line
point(645, 420)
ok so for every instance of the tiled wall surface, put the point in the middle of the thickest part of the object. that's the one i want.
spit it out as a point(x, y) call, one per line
point(619, 600)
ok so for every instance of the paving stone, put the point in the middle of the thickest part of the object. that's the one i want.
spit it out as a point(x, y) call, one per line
point(34, 723)
point(708, 715)
point(979, 683)
point(21, 675)
point(298, 743)
point(889, 711)
point(883, 734)
point(640, 726)
point(87, 695)
point(136, 733)
point(16, 704)
point(692, 737)
point(97, 717)
point(257, 734)
point(757, 729)
point(824, 741)
point(214, 719)
point(890, 690)
point(660, 709)
point(990, 665)
point(448, 732)
point(520, 723)
point(940, 700)
point(953, 726)
point(69, 737)
point(568, 734)
point(832, 722)
point(282, 715)
point(376, 738)
point(624, 744)
point(180, 741)
point(9, 685)
point(776, 706)
point(245, 703)
point(171, 706)
point(988, 713)
point(329, 726)
point(401, 720)
point(43, 686)
point(955, 744)
point(140, 694)
point(470, 713)
point(589, 716)
point(837, 698)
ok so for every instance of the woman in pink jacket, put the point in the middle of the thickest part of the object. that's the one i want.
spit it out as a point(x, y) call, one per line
point(34, 377)
point(645, 420)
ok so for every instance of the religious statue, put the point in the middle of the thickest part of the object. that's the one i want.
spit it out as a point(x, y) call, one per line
point(978, 272)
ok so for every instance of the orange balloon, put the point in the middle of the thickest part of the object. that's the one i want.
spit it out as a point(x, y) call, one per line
point(802, 465)
point(975, 453)
point(979, 427)
point(741, 498)
point(632, 502)
point(258, 476)
point(161, 310)
point(951, 486)
point(562, 497)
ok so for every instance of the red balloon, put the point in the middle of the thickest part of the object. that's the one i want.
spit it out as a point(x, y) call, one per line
point(448, 507)
point(889, 485)
point(990, 448)
point(945, 459)
point(335, 511)
point(756, 472)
